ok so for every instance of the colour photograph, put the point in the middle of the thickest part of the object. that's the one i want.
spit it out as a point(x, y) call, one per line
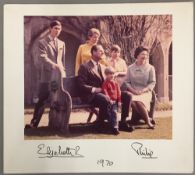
point(98, 88)
point(93, 77)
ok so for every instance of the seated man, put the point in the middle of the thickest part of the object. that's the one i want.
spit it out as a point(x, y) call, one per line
point(90, 80)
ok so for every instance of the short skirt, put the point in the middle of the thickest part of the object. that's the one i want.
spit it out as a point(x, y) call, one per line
point(145, 98)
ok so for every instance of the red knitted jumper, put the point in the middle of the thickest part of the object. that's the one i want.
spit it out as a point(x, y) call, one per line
point(112, 90)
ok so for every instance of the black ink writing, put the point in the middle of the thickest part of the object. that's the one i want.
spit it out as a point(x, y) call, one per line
point(67, 152)
point(142, 151)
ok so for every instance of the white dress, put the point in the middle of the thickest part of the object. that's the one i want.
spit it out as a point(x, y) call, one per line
point(139, 77)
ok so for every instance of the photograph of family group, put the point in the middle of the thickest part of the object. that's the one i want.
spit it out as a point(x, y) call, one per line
point(98, 77)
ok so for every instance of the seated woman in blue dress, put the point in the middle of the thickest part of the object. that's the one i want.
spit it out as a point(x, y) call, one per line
point(140, 81)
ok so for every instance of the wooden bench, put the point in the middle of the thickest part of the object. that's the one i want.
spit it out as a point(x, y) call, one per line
point(70, 85)
point(65, 98)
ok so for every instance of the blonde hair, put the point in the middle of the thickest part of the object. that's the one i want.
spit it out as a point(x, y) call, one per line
point(109, 70)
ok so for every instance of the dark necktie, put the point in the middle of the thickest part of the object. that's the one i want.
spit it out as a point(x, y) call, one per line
point(55, 44)
point(100, 71)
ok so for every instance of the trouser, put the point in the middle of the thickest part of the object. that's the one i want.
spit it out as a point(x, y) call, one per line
point(102, 102)
point(40, 105)
point(126, 99)
point(113, 115)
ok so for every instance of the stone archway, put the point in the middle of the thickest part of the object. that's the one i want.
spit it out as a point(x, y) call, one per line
point(170, 72)
point(160, 60)
point(72, 45)
point(156, 59)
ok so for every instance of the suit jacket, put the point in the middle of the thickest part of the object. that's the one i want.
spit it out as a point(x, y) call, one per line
point(88, 77)
point(48, 54)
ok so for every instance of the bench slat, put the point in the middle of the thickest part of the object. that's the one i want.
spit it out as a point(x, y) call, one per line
point(82, 106)
point(70, 84)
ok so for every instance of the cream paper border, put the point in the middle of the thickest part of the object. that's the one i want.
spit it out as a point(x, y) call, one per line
point(174, 155)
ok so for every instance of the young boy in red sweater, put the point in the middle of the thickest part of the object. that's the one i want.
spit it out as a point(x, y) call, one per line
point(112, 90)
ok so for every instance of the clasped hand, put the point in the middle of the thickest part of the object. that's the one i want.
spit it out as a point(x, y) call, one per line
point(56, 66)
point(139, 92)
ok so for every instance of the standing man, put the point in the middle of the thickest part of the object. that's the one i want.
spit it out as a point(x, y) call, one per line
point(52, 57)
point(90, 80)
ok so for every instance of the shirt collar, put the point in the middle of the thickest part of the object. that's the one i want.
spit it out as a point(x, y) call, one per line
point(94, 62)
point(116, 59)
point(52, 39)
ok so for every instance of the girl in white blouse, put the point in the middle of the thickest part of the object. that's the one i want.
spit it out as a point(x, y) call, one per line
point(118, 64)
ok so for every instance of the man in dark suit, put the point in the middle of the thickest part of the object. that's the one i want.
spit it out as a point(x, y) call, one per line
point(90, 80)
point(52, 58)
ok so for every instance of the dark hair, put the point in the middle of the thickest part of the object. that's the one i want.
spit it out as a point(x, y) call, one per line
point(115, 48)
point(93, 31)
point(94, 48)
point(55, 23)
point(138, 50)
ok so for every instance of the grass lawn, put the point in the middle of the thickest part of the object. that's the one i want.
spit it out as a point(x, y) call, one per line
point(163, 130)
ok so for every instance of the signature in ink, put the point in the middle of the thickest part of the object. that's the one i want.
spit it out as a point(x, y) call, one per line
point(45, 151)
point(142, 151)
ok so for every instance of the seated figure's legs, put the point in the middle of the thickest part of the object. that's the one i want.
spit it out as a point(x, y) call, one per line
point(102, 102)
point(126, 99)
point(135, 117)
point(113, 116)
point(143, 112)
point(105, 112)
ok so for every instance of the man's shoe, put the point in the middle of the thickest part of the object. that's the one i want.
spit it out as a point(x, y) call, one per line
point(30, 126)
point(136, 122)
point(124, 126)
point(115, 131)
point(153, 121)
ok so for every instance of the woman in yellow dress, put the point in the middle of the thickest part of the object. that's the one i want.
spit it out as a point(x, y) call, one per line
point(84, 51)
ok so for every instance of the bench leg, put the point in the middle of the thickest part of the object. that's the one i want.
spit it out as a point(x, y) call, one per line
point(92, 111)
point(152, 109)
point(90, 116)
point(68, 103)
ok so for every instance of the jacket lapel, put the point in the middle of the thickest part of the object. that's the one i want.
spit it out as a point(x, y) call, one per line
point(59, 51)
point(51, 43)
point(94, 71)
point(59, 45)
point(102, 72)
